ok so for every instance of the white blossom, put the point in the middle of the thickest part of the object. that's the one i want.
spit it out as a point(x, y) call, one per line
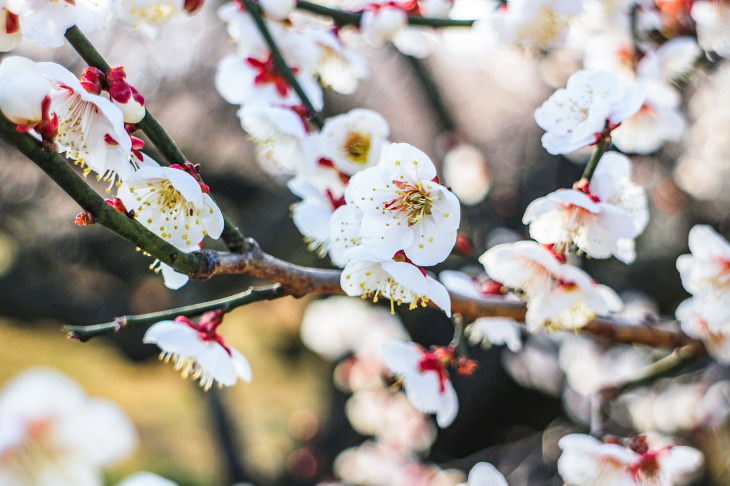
point(425, 379)
point(466, 173)
point(601, 219)
point(713, 26)
point(91, 128)
point(399, 281)
point(278, 9)
point(484, 474)
point(145, 479)
point(404, 208)
point(54, 434)
point(381, 22)
point(312, 216)
point(198, 351)
point(147, 16)
point(535, 25)
point(354, 140)
point(699, 322)
point(23, 87)
point(171, 203)
point(591, 104)
point(340, 67)
point(46, 21)
point(10, 34)
point(496, 331)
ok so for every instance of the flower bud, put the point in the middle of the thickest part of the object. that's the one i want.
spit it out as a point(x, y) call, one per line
point(22, 89)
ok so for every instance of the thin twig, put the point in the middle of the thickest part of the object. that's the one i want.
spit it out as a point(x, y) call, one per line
point(603, 144)
point(280, 63)
point(343, 17)
point(84, 333)
point(231, 235)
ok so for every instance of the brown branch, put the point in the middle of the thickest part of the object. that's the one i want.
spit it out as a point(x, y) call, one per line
point(299, 281)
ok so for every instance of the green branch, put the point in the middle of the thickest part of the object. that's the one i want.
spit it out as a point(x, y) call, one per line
point(153, 129)
point(61, 171)
point(603, 144)
point(343, 17)
point(84, 333)
point(280, 63)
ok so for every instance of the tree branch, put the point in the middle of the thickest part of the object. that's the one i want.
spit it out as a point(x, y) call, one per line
point(84, 333)
point(343, 17)
point(231, 235)
point(60, 170)
point(604, 143)
point(280, 63)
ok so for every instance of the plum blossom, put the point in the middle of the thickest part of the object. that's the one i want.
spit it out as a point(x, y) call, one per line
point(312, 216)
point(198, 351)
point(705, 271)
point(698, 323)
point(10, 34)
point(484, 474)
point(354, 140)
point(425, 379)
point(53, 433)
point(340, 67)
point(172, 203)
point(280, 135)
point(396, 279)
point(600, 218)
point(147, 16)
point(381, 22)
point(496, 331)
point(592, 104)
point(558, 295)
point(23, 89)
point(474, 286)
point(404, 208)
point(587, 461)
point(278, 9)
point(466, 173)
point(658, 120)
point(713, 22)
point(345, 226)
point(91, 128)
point(46, 21)
point(535, 25)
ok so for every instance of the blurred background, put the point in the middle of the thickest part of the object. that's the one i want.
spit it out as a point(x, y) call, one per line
point(290, 424)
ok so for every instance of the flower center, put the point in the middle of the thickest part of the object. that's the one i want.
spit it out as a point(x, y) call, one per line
point(357, 147)
point(12, 22)
point(267, 74)
point(413, 199)
point(157, 13)
point(432, 362)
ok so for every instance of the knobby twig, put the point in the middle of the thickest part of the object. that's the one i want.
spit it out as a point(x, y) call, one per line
point(661, 368)
point(84, 333)
point(231, 235)
point(280, 63)
point(343, 17)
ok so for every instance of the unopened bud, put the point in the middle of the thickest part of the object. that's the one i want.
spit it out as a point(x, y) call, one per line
point(84, 218)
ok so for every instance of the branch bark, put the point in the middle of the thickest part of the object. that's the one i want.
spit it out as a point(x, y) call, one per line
point(343, 17)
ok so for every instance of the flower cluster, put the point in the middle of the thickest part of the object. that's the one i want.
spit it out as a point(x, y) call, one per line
point(92, 120)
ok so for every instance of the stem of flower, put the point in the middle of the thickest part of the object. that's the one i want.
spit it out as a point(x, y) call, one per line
point(84, 333)
point(280, 63)
point(231, 235)
point(603, 144)
point(60, 170)
point(343, 17)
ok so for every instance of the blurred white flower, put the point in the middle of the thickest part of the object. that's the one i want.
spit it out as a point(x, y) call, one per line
point(587, 461)
point(484, 474)
point(659, 120)
point(436, 8)
point(592, 104)
point(336, 326)
point(699, 322)
point(601, 218)
point(147, 16)
point(396, 279)
point(145, 479)
point(313, 214)
point(10, 34)
point(404, 208)
point(278, 9)
point(199, 351)
point(46, 21)
point(23, 88)
point(713, 26)
point(380, 22)
point(173, 204)
point(496, 331)
point(466, 173)
point(425, 379)
point(535, 25)
point(353, 141)
point(340, 68)
point(52, 433)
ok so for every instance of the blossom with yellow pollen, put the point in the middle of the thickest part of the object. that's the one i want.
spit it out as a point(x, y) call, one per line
point(404, 207)
point(354, 141)
point(535, 24)
point(148, 16)
point(172, 203)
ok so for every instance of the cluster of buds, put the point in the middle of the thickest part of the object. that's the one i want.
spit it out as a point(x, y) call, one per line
point(122, 94)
